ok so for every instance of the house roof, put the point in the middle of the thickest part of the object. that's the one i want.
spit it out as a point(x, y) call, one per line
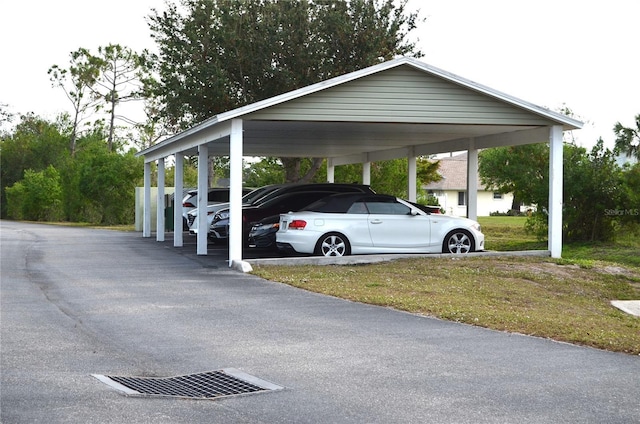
point(453, 170)
point(381, 110)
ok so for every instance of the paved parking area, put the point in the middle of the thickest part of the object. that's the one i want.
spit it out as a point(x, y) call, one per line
point(76, 302)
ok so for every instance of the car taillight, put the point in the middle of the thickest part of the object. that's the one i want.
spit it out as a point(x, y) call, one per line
point(297, 224)
point(188, 205)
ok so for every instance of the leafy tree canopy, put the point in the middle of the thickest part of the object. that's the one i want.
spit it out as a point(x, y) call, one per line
point(628, 139)
point(33, 145)
point(521, 170)
point(592, 186)
point(101, 81)
point(217, 55)
point(37, 197)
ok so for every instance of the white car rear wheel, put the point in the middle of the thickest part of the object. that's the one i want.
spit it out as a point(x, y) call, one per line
point(333, 244)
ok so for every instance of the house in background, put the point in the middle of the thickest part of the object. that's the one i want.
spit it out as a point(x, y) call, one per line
point(451, 190)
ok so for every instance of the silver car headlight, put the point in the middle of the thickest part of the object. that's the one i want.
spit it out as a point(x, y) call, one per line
point(477, 227)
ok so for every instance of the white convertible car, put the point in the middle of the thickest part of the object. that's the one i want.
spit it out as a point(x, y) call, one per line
point(348, 223)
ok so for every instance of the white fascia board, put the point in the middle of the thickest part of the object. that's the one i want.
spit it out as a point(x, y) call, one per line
point(171, 141)
point(530, 136)
point(514, 138)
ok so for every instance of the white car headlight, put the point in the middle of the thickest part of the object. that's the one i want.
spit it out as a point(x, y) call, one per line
point(221, 215)
point(265, 227)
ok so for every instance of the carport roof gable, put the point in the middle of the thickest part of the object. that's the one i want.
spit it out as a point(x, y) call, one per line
point(340, 80)
point(400, 95)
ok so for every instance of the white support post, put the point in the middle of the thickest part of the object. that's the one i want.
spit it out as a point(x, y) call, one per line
point(413, 177)
point(203, 191)
point(366, 173)
point(555, 191)
point(146, 209)
point(236, 238)
point(160, 202)
point(472, 181)
point(331, 169)
point(177, 200)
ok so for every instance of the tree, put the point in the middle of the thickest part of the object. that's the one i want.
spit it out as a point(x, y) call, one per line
point(34, 144)
point(628, 139)
point(106, 182)
point(103, 81)
point(5, 117)
point(218, 55)
point(41, 181)
point(263, 172)
point(77, 82)
point(521, 170)
point(629, 207)
point(38, 197)
point(591, 186)
point(119, 82)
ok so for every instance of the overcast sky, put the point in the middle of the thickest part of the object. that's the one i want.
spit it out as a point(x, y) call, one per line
point(548, 52)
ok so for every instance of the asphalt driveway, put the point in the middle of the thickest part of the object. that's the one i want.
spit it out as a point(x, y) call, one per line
point(76, 302)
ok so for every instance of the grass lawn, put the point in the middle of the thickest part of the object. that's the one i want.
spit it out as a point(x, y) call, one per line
point(564, 299)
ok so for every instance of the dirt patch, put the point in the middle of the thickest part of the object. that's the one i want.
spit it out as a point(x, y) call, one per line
point(563, 271)
point(544, 268)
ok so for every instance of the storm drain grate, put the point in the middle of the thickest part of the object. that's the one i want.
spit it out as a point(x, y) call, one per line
point(206, 385)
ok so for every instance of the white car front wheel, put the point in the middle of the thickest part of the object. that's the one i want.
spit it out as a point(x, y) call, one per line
point(458, 241)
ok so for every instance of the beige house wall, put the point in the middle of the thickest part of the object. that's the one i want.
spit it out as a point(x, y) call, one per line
point(486, 203)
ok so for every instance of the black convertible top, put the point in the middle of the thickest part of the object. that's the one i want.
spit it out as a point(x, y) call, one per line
point(340, 203)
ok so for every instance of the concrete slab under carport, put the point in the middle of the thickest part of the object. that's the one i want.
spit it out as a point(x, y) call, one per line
point(376, 258)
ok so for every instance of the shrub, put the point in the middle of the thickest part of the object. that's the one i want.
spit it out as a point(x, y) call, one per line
point(38, 197)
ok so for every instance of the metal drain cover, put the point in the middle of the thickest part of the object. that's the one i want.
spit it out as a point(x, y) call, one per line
point(206, 385)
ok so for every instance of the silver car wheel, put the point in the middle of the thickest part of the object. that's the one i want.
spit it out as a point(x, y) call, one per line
point(333, 245)
point(458, 242)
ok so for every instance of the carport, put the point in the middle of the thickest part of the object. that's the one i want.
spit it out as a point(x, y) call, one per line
point(402, 108)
